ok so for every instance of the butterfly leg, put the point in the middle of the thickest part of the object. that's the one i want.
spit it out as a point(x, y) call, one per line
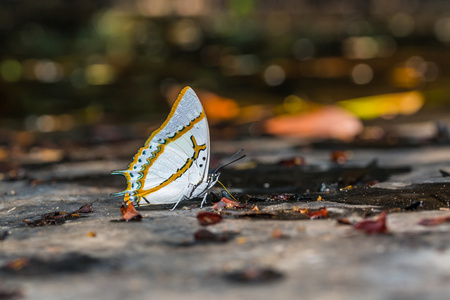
point(204, 200)
point(176, 204)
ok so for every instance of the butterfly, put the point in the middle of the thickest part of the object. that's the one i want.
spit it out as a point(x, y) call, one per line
point(173, 165)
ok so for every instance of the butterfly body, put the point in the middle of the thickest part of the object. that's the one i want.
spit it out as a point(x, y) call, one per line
point(174, 162)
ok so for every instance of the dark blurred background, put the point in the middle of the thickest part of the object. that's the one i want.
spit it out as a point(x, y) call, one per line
point(107, 70)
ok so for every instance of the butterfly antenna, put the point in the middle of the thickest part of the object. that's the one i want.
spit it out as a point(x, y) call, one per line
point(230, 162)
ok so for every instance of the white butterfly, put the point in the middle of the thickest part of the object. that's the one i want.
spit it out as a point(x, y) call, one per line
point(174, 162)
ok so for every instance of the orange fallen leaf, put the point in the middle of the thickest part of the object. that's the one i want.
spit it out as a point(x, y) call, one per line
point(318, 214)
point(208, 218)
point(219, 205)
point(225, 203)
point(373, 226)
point(321, 213)
point(130, 213)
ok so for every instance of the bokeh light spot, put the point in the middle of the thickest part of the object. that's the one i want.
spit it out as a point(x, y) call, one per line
point(155, 8)
point(360, 47)
point(401, 24)
point(186, 34)
point(100, 74)
point(48, 71)
point(46, 123)
point(293, 104)
point(362, 74)
point(274, 75)
point(11, 70)
point(442, 29)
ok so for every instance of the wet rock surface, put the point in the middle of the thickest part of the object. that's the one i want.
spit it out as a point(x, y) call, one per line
point(269, 247)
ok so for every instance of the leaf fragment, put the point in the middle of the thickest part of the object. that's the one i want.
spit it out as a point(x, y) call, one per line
point(208, 218)
point(321, 213)
point(86, 208)
point(129, 213)
point(59, 217)
point(434, 221)
point(226, 203)
point(373, 226)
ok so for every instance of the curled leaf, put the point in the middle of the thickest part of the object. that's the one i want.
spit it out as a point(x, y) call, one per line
point(373, 226)
point(130, 213)
point(219, 205)
point(226, 203)
point(87, 208)
point(208, 218)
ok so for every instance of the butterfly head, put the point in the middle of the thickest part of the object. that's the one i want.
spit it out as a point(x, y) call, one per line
point(213, 178)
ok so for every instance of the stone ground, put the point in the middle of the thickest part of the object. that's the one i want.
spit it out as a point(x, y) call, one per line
point(94, 257)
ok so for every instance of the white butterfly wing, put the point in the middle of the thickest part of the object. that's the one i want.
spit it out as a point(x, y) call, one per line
point(174, 162)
